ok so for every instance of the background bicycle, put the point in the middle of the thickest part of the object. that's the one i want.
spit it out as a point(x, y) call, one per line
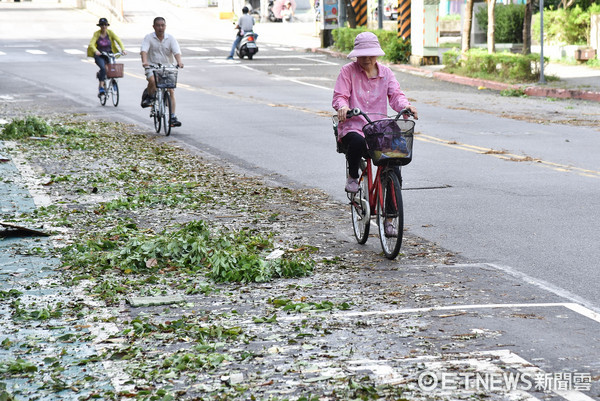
point(165, 78)
point(389, 145)
point(111, 86)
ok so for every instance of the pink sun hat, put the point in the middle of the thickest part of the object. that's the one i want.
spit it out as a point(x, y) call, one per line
point(366, 44)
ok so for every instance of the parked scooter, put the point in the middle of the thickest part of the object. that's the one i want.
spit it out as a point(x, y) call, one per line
point(247, 46)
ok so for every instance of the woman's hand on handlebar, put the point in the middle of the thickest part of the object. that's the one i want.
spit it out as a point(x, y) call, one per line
point(342, 113)
point(413, 111)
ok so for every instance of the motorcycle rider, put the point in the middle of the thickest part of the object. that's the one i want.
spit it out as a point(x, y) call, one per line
point(245, 24)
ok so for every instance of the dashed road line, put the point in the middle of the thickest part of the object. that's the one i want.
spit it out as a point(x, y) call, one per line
point(73, 51)
point(197, 49)
point(35, 51)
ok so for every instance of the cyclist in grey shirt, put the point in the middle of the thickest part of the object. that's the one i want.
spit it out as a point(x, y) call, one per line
point(245, 24)
point(159, 47)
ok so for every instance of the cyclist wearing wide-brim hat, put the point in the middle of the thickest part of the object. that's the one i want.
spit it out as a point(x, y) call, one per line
point(103, 40)
point(368, 85)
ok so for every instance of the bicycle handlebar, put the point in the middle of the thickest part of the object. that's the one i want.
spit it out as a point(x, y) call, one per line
point(109, 54)
point(358, 112)
point(159, 65)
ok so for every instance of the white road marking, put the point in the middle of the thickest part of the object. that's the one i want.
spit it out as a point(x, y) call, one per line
point(525, 366)
point(35, 51)
point(198, 49)
point(319, 59)
point(2, 53)
point(582, 310)
point(498, 363)
point(579, 309)
point(546, 286)
point(74, 51)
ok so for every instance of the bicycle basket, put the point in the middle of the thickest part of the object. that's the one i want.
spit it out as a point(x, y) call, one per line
point(390, 141)
point(114, 70)
point(165, 78)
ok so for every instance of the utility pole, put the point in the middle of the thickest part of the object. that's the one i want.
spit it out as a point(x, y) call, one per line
point(542, 79)
point(342, 13)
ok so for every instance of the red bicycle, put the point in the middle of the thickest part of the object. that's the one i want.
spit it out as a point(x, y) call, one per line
point(389, 145)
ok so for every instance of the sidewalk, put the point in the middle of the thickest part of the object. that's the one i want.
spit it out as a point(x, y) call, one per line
point(576, 81)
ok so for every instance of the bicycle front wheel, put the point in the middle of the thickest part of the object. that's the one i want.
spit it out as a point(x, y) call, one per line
point(390, 213)
point(114, 87)
point(361, 210)
point(157, 112)
point(102, 97)
point(167, 114)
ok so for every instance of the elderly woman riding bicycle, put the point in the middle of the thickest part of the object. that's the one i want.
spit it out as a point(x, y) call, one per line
point(368, 85)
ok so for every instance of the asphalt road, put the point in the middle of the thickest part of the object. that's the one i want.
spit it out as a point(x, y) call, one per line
point(490, 179)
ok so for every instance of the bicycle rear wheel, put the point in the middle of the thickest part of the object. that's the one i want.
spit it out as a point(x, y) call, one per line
point(167, 114)
point(114, 87)
point(390, 213)
point(361, 210)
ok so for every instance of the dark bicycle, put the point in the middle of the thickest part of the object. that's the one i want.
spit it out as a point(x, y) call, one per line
point(165, 78)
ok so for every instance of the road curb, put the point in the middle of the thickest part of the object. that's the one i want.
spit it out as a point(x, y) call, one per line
point(487, 84)
point(562, 93)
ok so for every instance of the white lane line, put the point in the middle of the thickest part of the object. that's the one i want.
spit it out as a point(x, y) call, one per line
point(319, 59)
point(582, 310)
point(280, 56)
point(35, 51)
point(227, 49)
point(2, 53)
point(74, 51)
point(198, 49)
point(308, 84)
point(525, 366)
point(544, 285)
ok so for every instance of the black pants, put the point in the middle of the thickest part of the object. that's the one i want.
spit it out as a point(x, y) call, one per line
point(357, 148)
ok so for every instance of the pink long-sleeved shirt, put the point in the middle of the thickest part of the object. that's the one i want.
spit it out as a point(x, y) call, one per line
point(354, 89)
